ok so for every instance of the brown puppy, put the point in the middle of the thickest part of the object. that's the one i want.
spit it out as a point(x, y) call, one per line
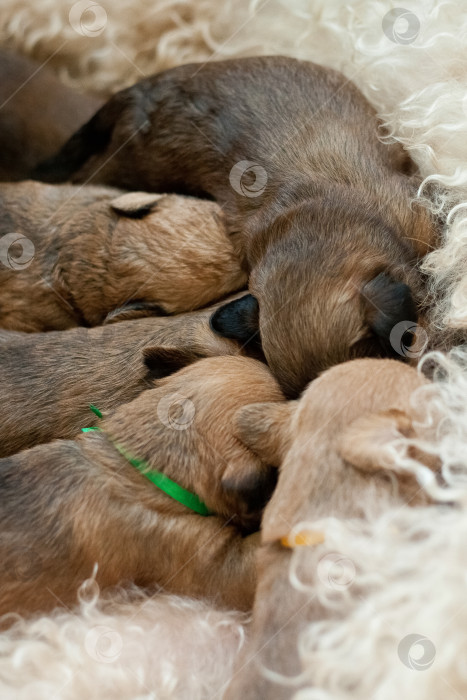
point(37, 114)
point(69, 505)
point(332, 446)
point(48, 380)
point(320, 207)
point(89, 251)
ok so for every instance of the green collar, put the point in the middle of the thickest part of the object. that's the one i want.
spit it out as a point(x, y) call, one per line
point(163, 482)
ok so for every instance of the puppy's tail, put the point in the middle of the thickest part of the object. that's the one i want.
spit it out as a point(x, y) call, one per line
point(92, 138)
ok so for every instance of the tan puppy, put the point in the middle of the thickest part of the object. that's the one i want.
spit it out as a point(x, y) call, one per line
point(332, 445)
point(37, 114)
point(68, 505)
point(321, 208)
point(88, 251)
point(48, 380)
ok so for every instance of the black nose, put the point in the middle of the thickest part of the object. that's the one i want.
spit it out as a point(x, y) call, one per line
point(238, 320)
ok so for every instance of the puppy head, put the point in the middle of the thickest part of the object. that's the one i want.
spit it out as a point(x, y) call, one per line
point(144, 254)
point(332, 441)
point(188, 431)
point(173, 250)
point(329, 289)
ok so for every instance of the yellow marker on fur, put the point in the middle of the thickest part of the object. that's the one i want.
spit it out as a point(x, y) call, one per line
point(302, 538)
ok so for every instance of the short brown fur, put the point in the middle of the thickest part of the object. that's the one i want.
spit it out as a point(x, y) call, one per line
point(322, 211)
point(48, 380)
point(68, 505)
point(99, 251)
point(334, 463)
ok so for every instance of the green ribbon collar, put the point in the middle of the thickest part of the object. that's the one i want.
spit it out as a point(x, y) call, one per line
point(160, 480)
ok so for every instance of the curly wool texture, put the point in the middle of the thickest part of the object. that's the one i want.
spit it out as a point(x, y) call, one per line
point(397, 591)
point(135, 649)
point(394, 586)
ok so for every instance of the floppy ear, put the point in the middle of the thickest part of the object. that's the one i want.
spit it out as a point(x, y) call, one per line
point(265, 429)
point(132, 310)
point(135, 204)
point(163, 361)
point(363, 442)
point(387, 302)
point(238, 320)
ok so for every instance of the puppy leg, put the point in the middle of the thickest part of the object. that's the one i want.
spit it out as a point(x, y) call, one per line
point(61, 514)
point(200, 557)
point(279, 614)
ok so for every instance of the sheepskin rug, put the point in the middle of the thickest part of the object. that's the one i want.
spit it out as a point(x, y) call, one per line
point(401, 578)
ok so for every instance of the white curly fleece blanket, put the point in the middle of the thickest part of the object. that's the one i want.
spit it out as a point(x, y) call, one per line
point(406, 637)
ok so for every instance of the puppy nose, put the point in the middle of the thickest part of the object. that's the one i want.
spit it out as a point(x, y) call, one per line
point(247, 523)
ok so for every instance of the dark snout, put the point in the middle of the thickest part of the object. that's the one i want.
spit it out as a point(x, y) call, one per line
point(251, 494)
point(239, 320)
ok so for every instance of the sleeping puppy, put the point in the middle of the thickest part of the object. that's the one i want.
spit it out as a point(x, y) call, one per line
point(89, 251)
point(68, 506)
point(320, 208)
point(49, 380)
point(332, 446)
point(37, 114)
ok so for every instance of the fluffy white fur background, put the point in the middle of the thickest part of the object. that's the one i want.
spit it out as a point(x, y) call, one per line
point(409, 567)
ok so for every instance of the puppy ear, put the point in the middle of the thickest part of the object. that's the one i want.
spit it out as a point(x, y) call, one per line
point(163, 361)
point(265, 429)
point(238, 320)
point(363, 442)
point(135, 204)
point(386, 303)
point(132, 310)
